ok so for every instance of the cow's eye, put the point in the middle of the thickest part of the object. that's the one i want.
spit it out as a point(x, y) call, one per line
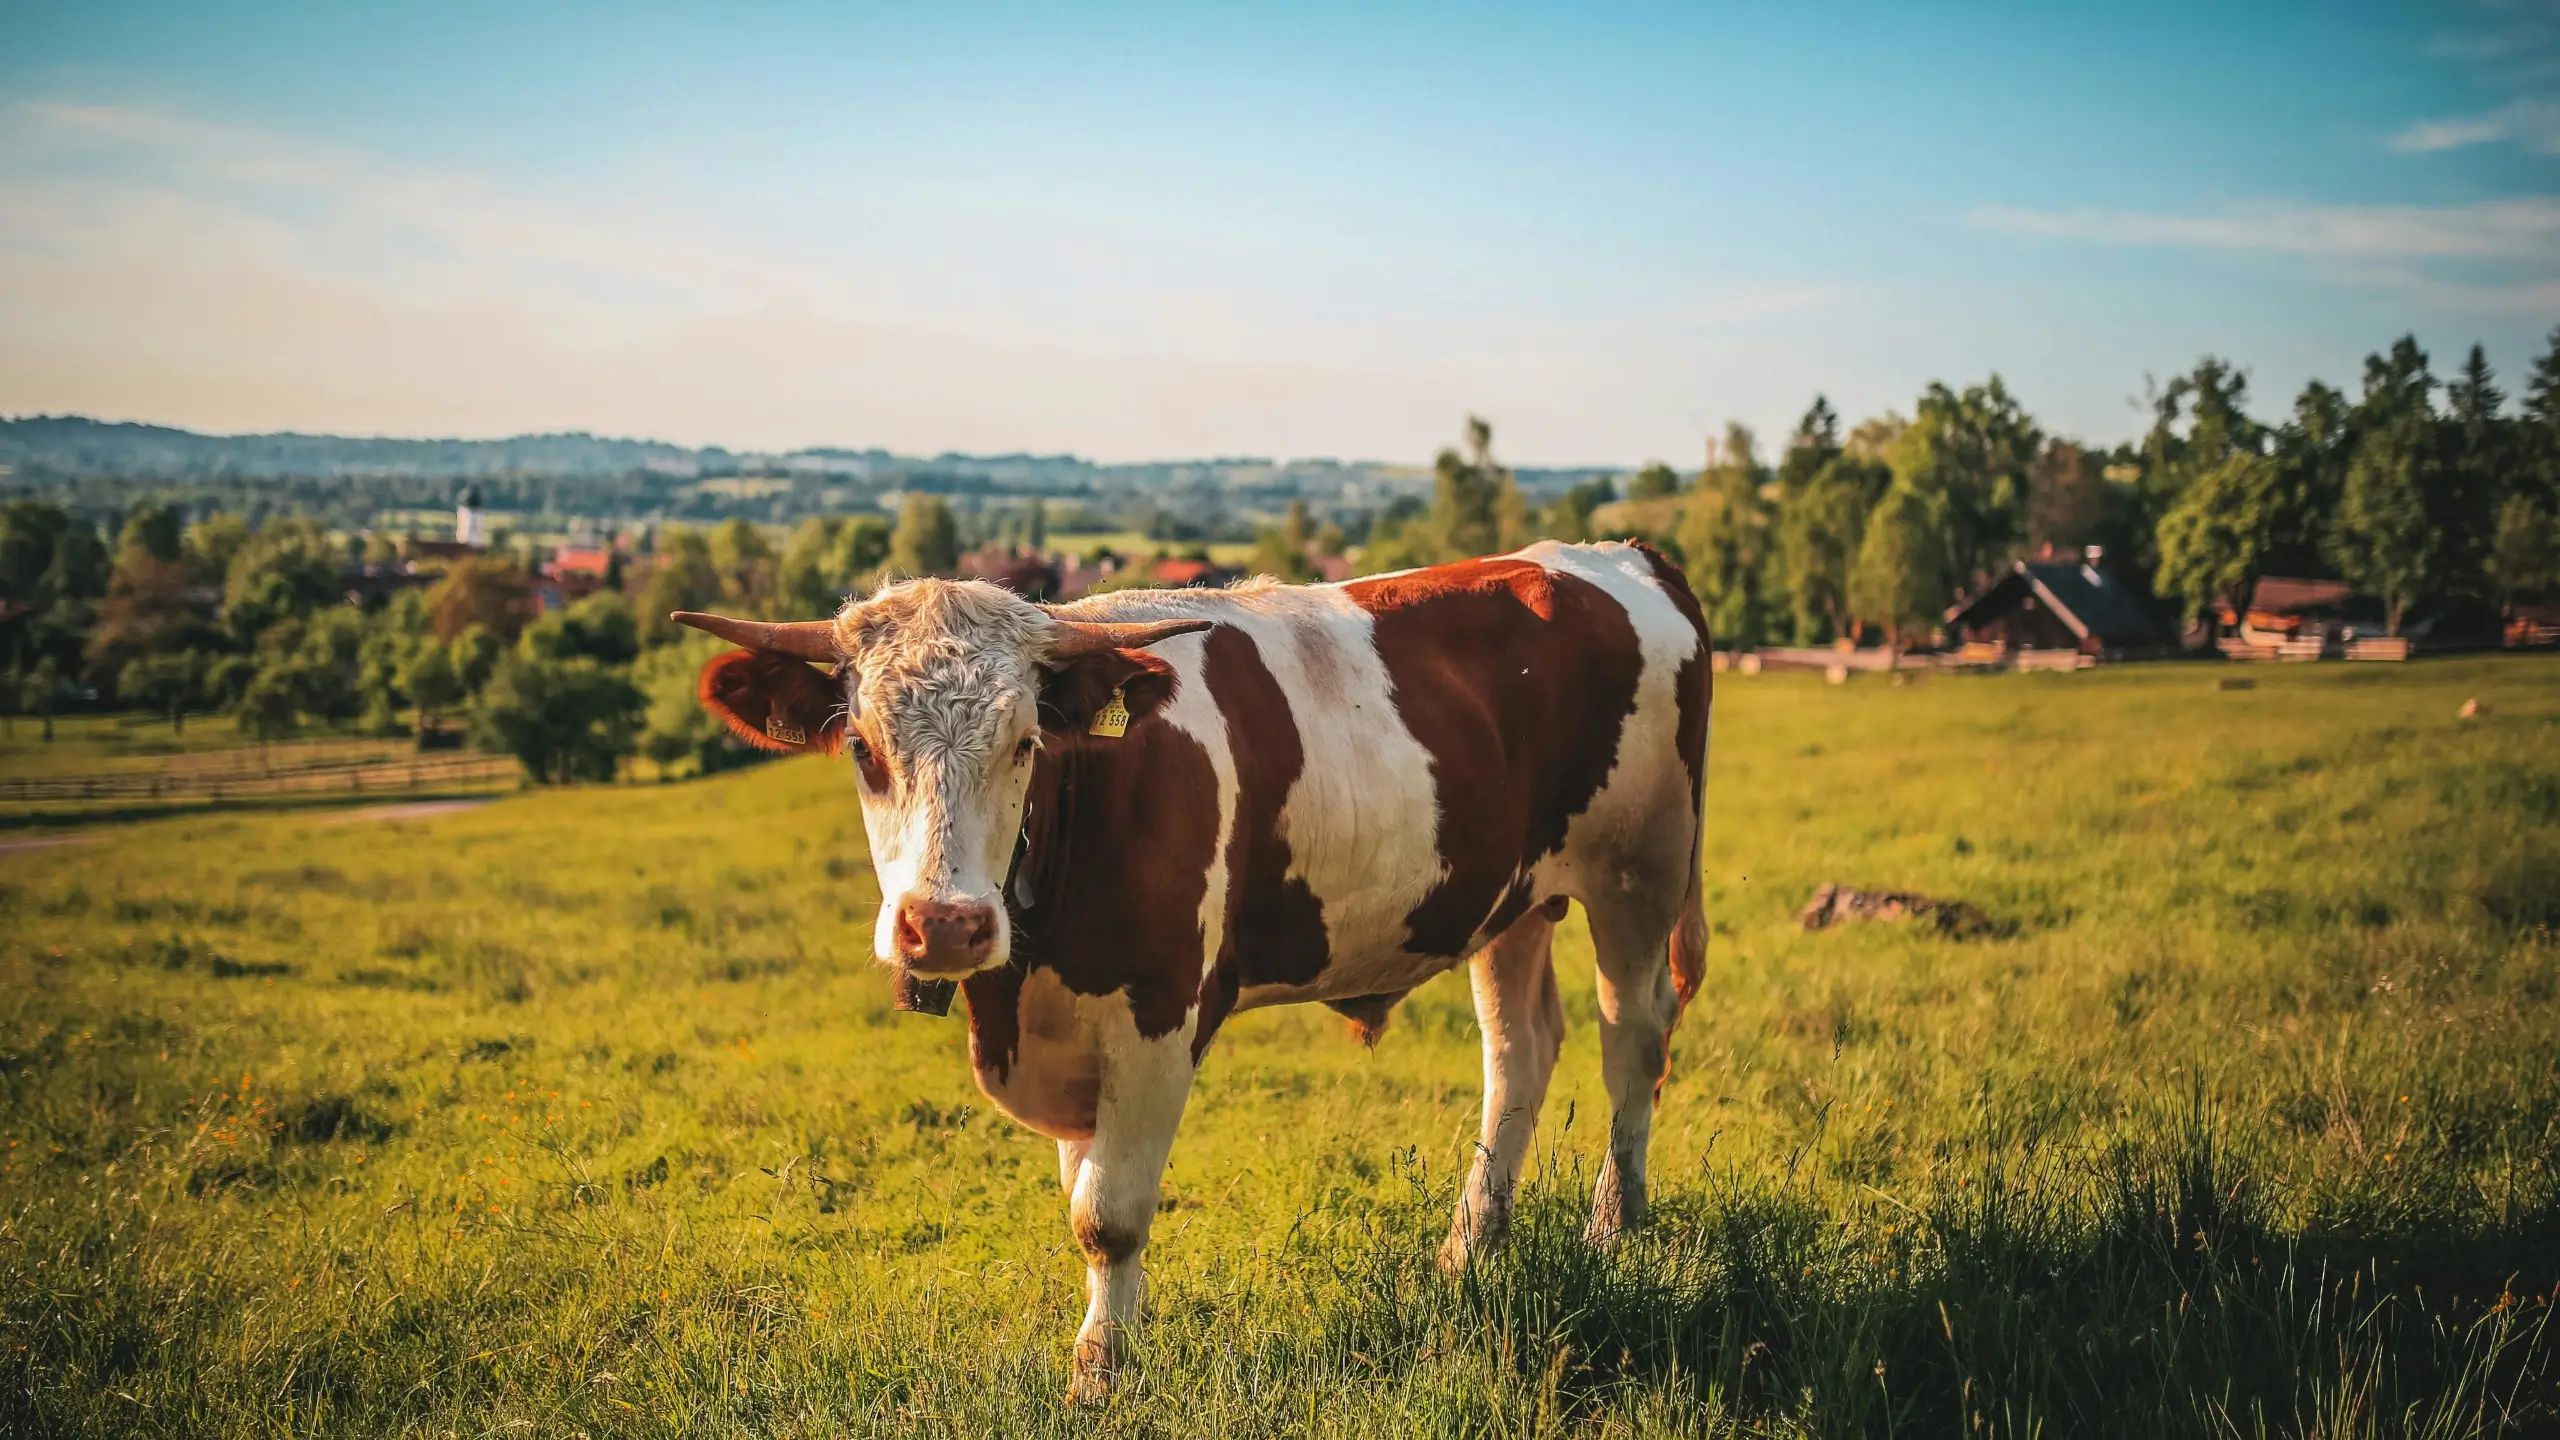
point(1022, 749)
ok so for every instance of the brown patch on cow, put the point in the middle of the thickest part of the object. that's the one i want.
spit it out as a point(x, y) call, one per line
point(995, 1014)
point(1368, 1014)
point(1275, 931)
point(774, 701)
point(1119, 836)
point(1105, 1244)
point(1502, 667)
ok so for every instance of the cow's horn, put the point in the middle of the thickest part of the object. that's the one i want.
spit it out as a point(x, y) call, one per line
point(1072, 638)
point(808, 639)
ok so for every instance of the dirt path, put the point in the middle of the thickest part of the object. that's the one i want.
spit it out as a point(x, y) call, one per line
point(43, 842)
point(414, 810)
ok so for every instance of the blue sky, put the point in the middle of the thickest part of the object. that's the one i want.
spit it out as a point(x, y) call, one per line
point(1142, 232)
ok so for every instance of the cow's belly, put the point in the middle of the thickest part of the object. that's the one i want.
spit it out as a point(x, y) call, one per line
point(1380, 965)
point(1055, 1079)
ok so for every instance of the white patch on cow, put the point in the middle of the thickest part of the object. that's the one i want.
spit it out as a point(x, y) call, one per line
point(1111, 1200)
point(1363, 818)
point(1647, 790)
point(1055, 1080)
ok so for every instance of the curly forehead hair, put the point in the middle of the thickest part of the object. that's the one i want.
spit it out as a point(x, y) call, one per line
point(941, 657)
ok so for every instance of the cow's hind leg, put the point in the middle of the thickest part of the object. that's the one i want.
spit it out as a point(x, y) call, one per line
point(1523, 1023)
point(1638, 1006)
point(1112, 1197)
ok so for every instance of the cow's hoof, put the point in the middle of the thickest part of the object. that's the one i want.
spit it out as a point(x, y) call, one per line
point(1089, 1385)
point(1096, 1370)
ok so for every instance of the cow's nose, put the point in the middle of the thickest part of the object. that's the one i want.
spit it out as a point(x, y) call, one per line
point(939, 937)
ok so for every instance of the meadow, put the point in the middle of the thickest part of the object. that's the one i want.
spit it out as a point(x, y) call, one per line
point(584, 1112)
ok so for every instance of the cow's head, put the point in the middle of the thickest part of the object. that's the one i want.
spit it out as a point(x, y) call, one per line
point(942, 692)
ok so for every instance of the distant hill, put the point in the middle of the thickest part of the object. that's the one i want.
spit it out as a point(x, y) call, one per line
point(72, 445)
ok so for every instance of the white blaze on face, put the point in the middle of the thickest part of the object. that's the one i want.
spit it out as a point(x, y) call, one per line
point(944, 698)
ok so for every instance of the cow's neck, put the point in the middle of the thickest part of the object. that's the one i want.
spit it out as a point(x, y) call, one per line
point(1045, 853)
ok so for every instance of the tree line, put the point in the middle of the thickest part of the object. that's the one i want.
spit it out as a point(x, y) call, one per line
point(275, 627)
point(2429, 496)
point(2435, 498)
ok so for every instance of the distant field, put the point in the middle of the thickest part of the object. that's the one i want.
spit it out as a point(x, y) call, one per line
point(1130, 542)
point(585, 1112)
point(103, 743)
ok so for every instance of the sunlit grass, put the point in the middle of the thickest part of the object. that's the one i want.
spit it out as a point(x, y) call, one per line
point(585, 1109)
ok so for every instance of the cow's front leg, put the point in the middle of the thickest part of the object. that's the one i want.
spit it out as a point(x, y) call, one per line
point(1112, 1200)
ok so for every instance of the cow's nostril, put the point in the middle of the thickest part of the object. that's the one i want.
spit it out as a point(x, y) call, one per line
point(911, 936)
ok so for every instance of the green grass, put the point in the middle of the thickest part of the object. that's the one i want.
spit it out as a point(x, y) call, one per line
point(585, 1112)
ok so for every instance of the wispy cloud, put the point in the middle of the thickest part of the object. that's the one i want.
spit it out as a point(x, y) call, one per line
point(2526, 228)
point(316, 207)
point(2534, 124)
point(2509, 49)
point(158, 265)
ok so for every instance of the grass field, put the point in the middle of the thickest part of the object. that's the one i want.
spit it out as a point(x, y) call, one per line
point(1133, 543)
point(584, 1112)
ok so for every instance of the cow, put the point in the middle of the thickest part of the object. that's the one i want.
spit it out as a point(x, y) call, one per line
point(1117, 822)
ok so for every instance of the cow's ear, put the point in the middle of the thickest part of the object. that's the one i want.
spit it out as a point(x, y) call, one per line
point(1073, 692)
point(774, 701)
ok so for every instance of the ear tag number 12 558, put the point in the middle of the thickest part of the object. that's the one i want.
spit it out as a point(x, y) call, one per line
point(1112, 719)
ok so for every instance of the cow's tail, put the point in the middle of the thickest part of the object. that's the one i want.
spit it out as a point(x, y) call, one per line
point(1689, 945)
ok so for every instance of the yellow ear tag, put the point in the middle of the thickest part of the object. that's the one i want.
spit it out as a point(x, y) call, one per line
point(1111, 719)
point(787, 734)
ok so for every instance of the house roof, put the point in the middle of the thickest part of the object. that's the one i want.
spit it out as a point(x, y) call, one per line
point(1185, 572)
point(581, 560)
point(2091, 602)
point(2286, 595)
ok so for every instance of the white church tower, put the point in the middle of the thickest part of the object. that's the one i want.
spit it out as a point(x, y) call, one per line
point(467, 527)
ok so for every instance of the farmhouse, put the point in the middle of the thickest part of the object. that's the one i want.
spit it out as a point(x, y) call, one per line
point(2291, 618)
point(2049, 606)
point(2530, 624)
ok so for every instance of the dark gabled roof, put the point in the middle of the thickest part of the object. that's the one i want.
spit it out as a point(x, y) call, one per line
point(2091, 602)
point(2286, 595)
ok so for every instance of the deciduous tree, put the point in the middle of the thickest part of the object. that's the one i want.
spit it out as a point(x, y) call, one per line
point(1899, 582)
point(1724, 541)
point(926, 542)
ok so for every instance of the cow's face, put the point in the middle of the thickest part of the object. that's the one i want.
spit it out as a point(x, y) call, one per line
point(942, 700)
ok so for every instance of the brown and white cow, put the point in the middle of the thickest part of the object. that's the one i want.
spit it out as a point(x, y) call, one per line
point(1328, 793)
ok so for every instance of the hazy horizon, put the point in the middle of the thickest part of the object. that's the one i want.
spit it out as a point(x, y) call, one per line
point(1136, 236)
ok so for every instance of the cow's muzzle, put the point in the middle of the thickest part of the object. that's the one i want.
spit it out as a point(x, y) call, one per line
point(941, 938)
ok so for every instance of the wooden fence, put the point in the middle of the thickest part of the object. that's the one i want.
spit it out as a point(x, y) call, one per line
point(379, 774)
